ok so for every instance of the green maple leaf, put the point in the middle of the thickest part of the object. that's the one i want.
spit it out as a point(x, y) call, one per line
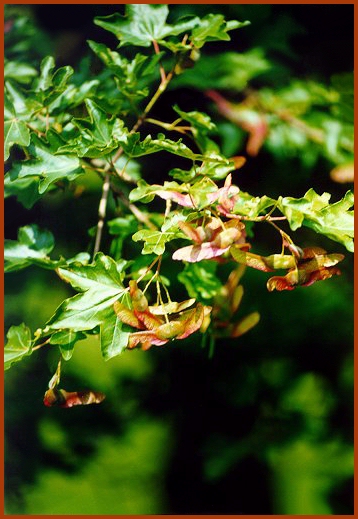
point(46, 166)
point(15, 130)
point(200, 280)
point(95, 133)
point(335, 221)
point(143, 24)
point(100, 284)
point(214, 27)
point(65, 340)
point(18, 345)
point(31, 248)
point(113, 338)
point(155, 241)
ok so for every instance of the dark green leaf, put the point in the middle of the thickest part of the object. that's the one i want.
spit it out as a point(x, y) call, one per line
point(143, 24)
point(46, 166)
point(25, 189)
point(18, 344)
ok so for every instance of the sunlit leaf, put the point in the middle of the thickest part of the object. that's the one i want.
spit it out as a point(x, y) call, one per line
point(113, 338)
point(155, 241)
point(143, 24)
point(214, 27)
point(18, 344)
point(336, 221)
point(32, 247)
point(15, 130)
point(100, 285)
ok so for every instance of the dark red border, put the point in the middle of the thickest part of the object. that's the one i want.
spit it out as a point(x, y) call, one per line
point(2, 227)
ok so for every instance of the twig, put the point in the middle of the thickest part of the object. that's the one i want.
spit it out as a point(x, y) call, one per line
point(165, 79)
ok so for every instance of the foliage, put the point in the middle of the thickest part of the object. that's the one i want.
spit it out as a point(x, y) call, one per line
point(62, 132)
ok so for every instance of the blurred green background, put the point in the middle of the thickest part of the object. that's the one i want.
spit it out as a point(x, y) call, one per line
point(263, 427)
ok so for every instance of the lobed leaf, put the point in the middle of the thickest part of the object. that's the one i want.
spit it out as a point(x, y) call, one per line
point(114, 340)
point(32, 248)
point(100, 285)
point(143, 24)
point(18, 344)
point(336, 221)
point(66, 340)
point(46, 166)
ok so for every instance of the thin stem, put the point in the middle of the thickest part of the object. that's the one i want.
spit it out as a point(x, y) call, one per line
point(102, 212)
point(161, 68)
point(147, 270)
point(41, 345)
point(165, 80)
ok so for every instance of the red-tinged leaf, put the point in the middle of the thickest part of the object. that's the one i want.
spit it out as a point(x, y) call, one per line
point(329, 260)
point(251, 260)
point(238, 161)
point(172, 307)
point(321, 275)
point(63, 398)
point(301, 277)
point(257, 135)
point(279, 283)
point(127, 316)
point(194, 253)
point(312, 252)
point(226, 196)
point(197, 234)
point(139, 300)
point(245, 324)
point(170, 330)
point(150, 321)
point(179, 198)
point(146, 339)
point(228, 237)
point(193, 319)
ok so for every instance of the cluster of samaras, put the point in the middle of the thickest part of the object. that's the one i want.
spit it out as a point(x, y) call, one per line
point(158, 324)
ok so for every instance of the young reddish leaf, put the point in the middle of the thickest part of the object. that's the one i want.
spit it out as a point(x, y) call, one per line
point(63, 398)
point(139, 300)
point(171, 308)
point(194, 253)
point(170, 330)
point(146, 339)
point(193, 319)
point(150, 321)
point(126, 315)
point(301, 277)
point(251, 260)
